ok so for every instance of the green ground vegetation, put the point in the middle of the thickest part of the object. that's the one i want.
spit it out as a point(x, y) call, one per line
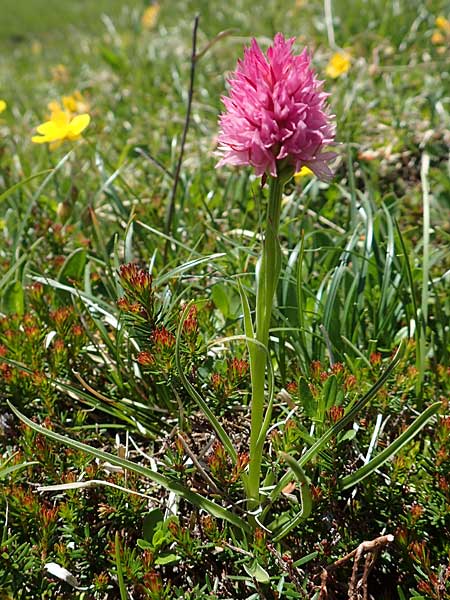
point(86, 355)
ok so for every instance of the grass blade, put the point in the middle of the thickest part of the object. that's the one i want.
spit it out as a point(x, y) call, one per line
point(425, 269)
point(387, 453)
point(159, 281)
point(20, 184)
point(5, 471)
point(172, 486)
point(305, 497)
point(123, 591)
point(339, 426)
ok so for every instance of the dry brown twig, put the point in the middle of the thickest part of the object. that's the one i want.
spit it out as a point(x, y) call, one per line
point(371, 550)
point(286, 564)
point(197, 464)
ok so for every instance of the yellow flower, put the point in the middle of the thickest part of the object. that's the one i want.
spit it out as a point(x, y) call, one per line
point(36, 47)
point(75, 103)
point(437, 38)
point(60, 73)
point(61, 127)
point(304, 171)
point(72, 105)
point(3, 106)
point(150, 16)
point(54, 107)
point(338, 64)
point(69, 103)
point(443, 24)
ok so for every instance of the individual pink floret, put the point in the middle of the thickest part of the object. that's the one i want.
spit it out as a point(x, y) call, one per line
point(276, 111)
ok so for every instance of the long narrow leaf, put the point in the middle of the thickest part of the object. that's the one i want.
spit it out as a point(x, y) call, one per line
point(106, 405)
point(5, 471)
point(340, 425)
point(305, 497)
point(248, 324)
point(390, 249)
point(20, 184)
point(425, 268)
point(168, 484)
point(413, 294)
point(18, 263)
point(392, 449)
point(301, 301)
point(123, 591)
point(167, 237)
point(335, 282)
point(24, 218)
point(185, 267)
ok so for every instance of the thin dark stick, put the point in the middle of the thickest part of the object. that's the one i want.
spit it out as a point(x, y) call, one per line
point(286, 564)
point(153, 160)
point(171, 210)
point(198, 466)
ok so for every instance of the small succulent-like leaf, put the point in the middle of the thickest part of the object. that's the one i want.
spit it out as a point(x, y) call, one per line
point(73, 267)
point(151, 520)
point(167, 559)
point(255, 570)
point(306, 398)
point(329, 392)
point(13, 300)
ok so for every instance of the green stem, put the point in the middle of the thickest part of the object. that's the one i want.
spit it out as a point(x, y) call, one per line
point(122, 589)
point(267, 275)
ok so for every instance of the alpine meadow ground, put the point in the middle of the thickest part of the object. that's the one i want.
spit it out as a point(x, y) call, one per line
point(224, 382)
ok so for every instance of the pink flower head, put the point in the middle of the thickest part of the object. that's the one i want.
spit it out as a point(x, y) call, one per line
point(276, 112)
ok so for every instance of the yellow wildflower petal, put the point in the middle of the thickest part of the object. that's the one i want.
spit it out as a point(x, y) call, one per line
point(150, 16)
point(69, 103)
point(55, 144)
point(60, 73)
point(61, 119)
point(338, 64)
point(77, 125)
point(437, 38)
point(3, 106)
point(304, 171)
point(39, 139)
point(55, 129)
point(443, 24)
point(50, 134)
point(48, 128)
point(54, 106)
